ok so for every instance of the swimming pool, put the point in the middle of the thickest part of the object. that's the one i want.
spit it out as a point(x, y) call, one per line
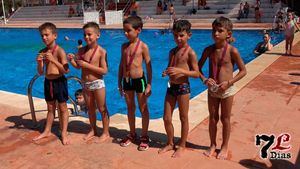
point(20, 46)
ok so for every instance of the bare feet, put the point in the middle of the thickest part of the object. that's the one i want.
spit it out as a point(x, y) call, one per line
point(211, 151)
point(89, 136)
point(167, 148)
point(65, 140)
point(223, 155)
point(43, 135)
point(178, 152)
point(103, 138)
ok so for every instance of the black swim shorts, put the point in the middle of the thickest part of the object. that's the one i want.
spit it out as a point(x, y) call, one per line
point(178, 89)
point(138, 85)
point(56, 89)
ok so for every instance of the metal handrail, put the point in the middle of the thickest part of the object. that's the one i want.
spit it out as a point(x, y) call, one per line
point(70, 98)
point(30, 99)
point(29, 94)
point(127, 6)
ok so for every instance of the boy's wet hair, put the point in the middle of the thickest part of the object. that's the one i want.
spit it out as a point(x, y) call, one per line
point(135, 21)
point(48, 25)
point(182, 25)
point(223, 22)
point(92, 25)
point(78, 92)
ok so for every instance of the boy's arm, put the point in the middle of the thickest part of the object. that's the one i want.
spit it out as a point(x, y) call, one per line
point(201, 63)
point(256, 48)
point(146, 57)
point(241, 66)
point(71, 57)
point(40, 63)
point(120, 74)
point(207, 81)
point(62, 65)
point(169, 62)
point(269, 45)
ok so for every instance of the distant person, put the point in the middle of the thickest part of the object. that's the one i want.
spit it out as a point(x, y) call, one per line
point(165, 5)
point(258, 3)
point(92, 60)
point(279, 21)
point(182, 65)
point(263, 46)
point(68, 39)
point(159, 7)
point(111, 5)
point(79, 9)
point(71, 11)
point(202, 4)
point(258, 15)
point(289, 31)
point(246, 9)
point(53, 59)
point(132, 80)
point(241, 11)
point(172, 12)
point(222, 59)
point(134, 8)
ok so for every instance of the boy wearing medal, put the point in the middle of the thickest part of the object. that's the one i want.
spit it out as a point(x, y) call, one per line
point(222, 59)
point(131, 80)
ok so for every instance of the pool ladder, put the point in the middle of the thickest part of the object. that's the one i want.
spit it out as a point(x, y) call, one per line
point(30, 99)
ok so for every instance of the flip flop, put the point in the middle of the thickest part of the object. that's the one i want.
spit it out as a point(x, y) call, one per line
point(128, 140)
point(144, 145)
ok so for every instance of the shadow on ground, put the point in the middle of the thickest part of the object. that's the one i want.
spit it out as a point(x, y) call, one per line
point(275, 164)
point(158, 140)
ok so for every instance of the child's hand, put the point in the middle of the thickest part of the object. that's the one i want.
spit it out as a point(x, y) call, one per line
point(70, 56)
point(148, 90)
point(49, 57)
point(122, 93)
point(81, 63)
point(172, 71)
point(164, 73)
point(40, 57)
point(224, 85)
point(210, 82)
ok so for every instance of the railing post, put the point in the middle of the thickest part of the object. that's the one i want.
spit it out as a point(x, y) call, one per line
point(29, 94)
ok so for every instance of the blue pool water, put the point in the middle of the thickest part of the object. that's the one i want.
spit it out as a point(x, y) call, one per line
point(19, 48)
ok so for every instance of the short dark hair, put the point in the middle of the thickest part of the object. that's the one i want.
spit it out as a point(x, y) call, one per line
point(135, 21)
point(223, 22)
point(78, 92)
point(48, 25)
point(267, 34)
point(92, 25)
point(182, 25)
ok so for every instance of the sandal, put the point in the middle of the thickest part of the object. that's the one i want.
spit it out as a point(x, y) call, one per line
point(128, 140)
point(144, 145)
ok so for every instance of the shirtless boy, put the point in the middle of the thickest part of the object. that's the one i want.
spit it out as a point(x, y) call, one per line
point(182, 65)
point(91, 59)
point(131, 73)
point(222, 58)
point(53, 62)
